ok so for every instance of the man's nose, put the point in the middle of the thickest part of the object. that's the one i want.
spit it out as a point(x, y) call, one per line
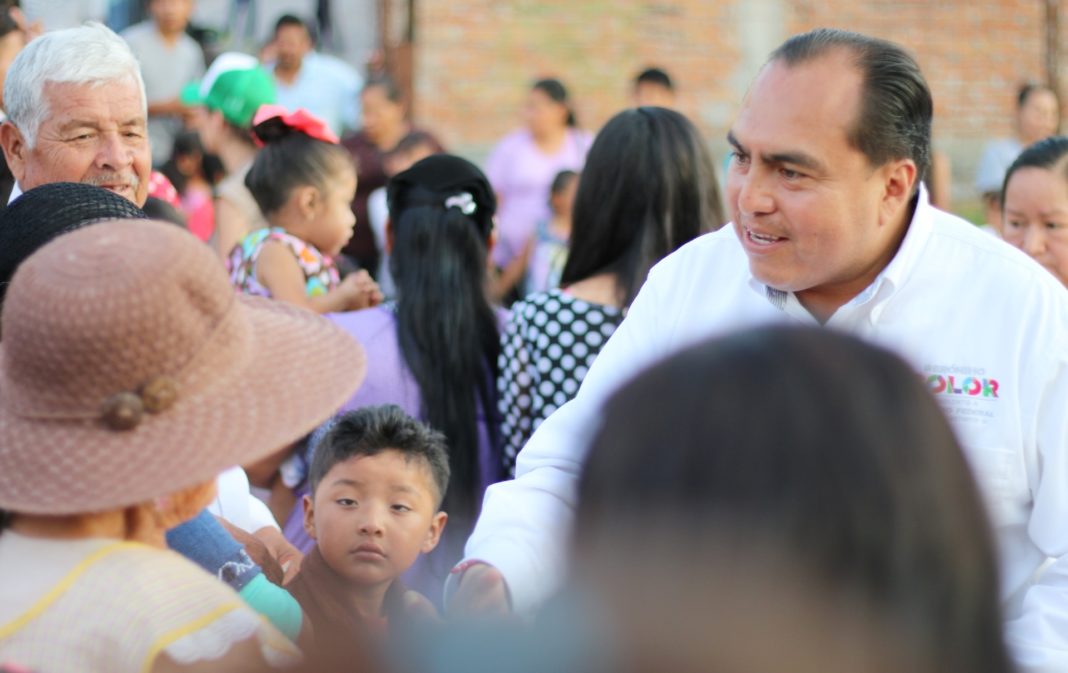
point(114, 153)
point(754, 197)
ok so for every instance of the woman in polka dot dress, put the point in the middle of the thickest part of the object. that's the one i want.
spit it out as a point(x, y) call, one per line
point(649, 187)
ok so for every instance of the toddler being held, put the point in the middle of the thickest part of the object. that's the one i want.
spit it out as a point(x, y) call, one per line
point(303, 181)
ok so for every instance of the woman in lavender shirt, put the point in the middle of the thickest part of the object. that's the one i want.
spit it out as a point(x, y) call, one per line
point(521, 170)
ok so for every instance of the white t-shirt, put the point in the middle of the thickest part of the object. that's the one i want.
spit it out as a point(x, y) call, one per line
point(954, 301)
point(236, 503)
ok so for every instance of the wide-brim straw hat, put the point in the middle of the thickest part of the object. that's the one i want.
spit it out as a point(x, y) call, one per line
point(129, 370)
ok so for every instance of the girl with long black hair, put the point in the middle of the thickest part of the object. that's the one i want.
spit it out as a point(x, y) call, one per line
point(649, 187)
point(433, 350)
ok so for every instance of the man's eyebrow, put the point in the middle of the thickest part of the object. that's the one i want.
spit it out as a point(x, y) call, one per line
point(793, 158)
point(78, 123)
point(733, 140)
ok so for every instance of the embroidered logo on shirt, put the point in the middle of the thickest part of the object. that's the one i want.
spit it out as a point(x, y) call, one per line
point(972, 386)
point(968, 395)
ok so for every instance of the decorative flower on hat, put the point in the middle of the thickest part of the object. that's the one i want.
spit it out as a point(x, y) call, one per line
point(299, 120)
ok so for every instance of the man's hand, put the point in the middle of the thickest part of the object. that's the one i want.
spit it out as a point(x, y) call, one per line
point(286, 555)
point(257, 551)
point(482, 591)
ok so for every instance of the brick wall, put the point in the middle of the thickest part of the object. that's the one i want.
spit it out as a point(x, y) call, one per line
point(474, 59)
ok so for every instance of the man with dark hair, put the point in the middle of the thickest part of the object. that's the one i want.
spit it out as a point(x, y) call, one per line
point(832, 226)
point(654, 87)
point(325, 86)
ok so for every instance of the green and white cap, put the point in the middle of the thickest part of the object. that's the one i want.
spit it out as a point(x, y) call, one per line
point(235, 85)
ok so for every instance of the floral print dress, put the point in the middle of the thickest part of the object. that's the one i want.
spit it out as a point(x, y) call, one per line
point(320, 273)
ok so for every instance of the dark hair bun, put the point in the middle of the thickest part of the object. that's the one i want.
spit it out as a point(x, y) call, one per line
point(273, 130)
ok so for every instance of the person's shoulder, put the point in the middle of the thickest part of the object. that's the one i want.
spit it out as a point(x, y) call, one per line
point(161, 574)
point(368, 325)
point(951, 231)
point(524, 310)
point(339, 69)
point(991, 263)
point(1003, 146)
point(515, 139)
point(717, 253)
point(434, 140)
point(357, 141)
point(139, 33)
point(190, 46)
point(584, 137)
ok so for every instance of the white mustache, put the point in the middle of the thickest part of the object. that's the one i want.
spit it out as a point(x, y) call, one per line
point(101, 179)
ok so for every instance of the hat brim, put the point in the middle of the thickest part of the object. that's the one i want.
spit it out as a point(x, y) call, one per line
point(301, 370)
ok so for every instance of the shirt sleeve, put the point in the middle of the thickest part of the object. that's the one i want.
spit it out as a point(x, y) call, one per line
point(1039, 636)
point(525, 523)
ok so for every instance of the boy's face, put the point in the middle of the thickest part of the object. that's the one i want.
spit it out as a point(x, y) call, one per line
point(373, 515)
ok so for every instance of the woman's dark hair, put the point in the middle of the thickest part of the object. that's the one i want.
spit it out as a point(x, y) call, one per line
point(561, 182)
point(369, 431)
point(655, 76)
point(1026, 90)
point(8, 24)
point(158, 209)
point(557, 92)
point(832, 450)
point(388, 85)
point(648, 187)
point(441, 213)
point(894, 121)
point(290, 159)
point(185, 144)
point(1047, 153)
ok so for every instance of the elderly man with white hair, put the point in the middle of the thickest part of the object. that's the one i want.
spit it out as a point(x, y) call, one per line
point(76, 111)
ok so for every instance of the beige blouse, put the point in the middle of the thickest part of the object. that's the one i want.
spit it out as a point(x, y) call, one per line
point(75, 606)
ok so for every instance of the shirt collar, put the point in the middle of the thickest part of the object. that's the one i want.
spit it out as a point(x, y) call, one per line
point(896, 272)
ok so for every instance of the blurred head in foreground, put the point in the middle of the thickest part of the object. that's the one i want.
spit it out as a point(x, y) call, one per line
point(786, 496)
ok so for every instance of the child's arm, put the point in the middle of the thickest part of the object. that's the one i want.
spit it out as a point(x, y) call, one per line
point(278, 271)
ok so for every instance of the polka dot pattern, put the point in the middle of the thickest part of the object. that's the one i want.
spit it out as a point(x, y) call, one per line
point(546, 350)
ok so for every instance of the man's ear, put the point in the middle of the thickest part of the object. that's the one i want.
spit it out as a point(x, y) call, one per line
point(899, 182)
point(433, 535)
point(14, 149)
point(309, 517)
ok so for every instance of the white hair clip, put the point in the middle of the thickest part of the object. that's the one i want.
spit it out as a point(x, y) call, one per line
point(464, 201)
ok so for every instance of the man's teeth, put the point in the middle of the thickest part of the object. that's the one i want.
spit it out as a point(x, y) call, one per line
point(762, 239)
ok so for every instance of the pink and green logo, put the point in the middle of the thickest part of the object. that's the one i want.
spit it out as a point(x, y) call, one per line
point(971, 386)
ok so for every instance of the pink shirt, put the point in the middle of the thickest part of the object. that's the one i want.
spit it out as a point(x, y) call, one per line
point(522, 174)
